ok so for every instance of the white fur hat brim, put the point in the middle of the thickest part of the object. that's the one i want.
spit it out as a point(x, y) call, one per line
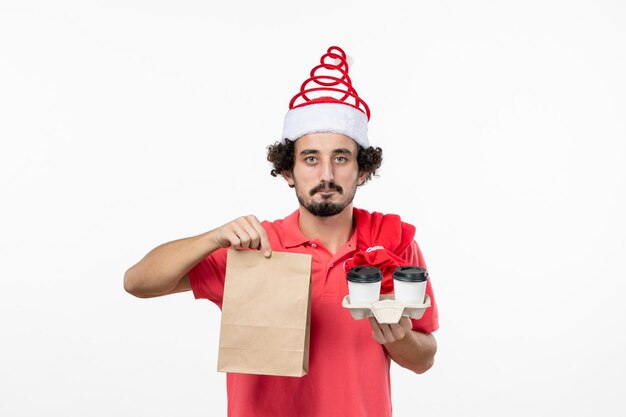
point(326, 117)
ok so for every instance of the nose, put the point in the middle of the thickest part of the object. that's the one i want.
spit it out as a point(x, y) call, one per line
point(326, 174)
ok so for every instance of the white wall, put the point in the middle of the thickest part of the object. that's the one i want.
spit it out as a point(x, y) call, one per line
point(126, 124)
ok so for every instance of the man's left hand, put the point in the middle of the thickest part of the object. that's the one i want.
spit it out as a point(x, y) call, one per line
point(385, 333)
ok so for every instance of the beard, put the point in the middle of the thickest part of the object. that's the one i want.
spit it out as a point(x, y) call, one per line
point(323, 209)
point(326, 208)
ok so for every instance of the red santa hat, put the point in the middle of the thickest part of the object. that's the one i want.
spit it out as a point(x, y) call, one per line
point(327, 102)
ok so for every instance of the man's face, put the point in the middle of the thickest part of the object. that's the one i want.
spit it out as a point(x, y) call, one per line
point(325, 173)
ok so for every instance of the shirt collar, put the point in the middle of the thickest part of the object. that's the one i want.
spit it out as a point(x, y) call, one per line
point(294, 237)
point(291, 230)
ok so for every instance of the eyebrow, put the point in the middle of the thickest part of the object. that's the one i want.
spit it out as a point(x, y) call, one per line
point(336, 151)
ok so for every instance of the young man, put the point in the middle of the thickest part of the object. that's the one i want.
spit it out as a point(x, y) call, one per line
point(324, 156)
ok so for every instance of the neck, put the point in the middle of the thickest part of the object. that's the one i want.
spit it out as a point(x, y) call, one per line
point(333, 231)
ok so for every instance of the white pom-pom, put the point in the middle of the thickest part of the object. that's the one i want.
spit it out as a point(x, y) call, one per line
point(349, 60)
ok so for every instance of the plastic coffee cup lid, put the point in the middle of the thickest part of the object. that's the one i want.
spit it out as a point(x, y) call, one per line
point(410, 274)
point(364, 274)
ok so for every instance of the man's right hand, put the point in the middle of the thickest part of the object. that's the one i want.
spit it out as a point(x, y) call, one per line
point(164, 269)
point(243, 232)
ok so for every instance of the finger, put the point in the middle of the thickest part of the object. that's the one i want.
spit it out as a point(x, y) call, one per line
point(377, 333)
point(229, 238)
point(243, 235)
point(406, 323)
point(253, 231)
point(387, 333)
point(264, 241)
point(398, 331)
point(255, 239)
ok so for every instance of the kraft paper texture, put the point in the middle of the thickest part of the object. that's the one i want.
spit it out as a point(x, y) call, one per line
point(265, 314)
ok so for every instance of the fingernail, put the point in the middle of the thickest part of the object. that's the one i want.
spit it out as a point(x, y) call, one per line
point(267, 254)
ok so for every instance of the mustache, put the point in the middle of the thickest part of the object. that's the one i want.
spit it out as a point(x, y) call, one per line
point(326, 186)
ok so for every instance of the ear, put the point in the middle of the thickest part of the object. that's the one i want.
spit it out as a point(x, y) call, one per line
point(288, 176)
point(362, 178)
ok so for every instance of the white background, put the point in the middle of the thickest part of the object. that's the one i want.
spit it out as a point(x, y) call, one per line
point(126, 124)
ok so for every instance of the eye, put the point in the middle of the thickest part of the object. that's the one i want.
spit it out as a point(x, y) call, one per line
point(341, 159)
point(310, 159)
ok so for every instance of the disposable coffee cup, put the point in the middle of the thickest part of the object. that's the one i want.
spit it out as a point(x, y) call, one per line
point(364, 284)
point(409, 284)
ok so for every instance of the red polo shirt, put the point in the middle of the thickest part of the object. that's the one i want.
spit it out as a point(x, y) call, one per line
point(348, 371)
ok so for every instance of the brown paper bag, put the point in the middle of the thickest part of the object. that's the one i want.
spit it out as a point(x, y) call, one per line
point(265, 314)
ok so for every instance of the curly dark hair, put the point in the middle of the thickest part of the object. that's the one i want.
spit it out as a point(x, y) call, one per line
point(282, 157)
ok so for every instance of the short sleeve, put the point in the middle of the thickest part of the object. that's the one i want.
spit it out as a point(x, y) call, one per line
point(430, 320)
point(207, 277)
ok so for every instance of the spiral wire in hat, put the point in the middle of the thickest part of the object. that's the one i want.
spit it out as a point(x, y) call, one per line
point(319, 83)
